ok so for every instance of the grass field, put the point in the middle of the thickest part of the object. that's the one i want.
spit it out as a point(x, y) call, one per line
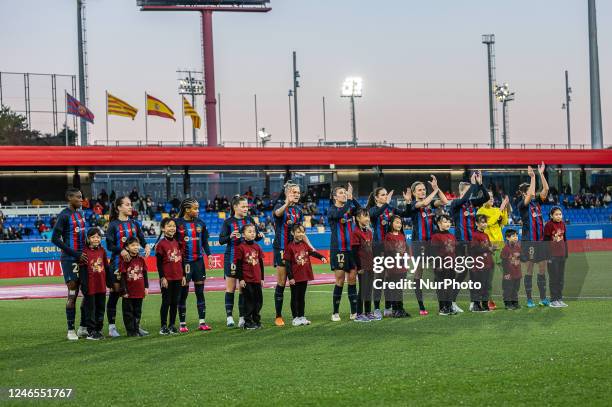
point(536, 356)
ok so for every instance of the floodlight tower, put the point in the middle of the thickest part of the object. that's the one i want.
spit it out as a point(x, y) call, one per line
point(353, 88)
point(206, 9)
point(489, 41)
point(503, 94)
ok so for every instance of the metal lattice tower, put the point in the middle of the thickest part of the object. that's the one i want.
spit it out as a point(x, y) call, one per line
point(489, 41)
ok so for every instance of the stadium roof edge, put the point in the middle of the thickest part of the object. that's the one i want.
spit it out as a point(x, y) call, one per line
point(154, 156)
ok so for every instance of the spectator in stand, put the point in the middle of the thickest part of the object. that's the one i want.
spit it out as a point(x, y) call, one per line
point(607, 199)
point(98, 209)
point(149, 204)
point(5, 201)
point(134, 195)
point(112, 196)
point(37, 202)
point(225, 203)
point(52, 221)
point(249, 193)
point(104, 196)
point(175, 202)
point(86, 203)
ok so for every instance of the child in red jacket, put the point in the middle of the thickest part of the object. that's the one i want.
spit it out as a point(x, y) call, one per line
point(299, 271)
point(443, 245)
point(249, 260)
point(93, 274)
point(135, 284)
point(555, 234)
point(482, 252)
point(511, 264)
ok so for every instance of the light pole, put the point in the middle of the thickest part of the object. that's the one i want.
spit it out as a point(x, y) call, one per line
point(503, 94)
point(296, 85)
point(566, 107)
point(290, 120)
point(353, 88)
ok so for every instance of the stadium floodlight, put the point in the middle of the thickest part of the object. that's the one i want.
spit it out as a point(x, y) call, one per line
point(353, 88)
point(504, 95)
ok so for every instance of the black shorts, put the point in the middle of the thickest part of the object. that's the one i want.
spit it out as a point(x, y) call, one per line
point(229, 268)
point(195, 270)
point(341, 260)
point(70, 270)
point(532, 251)
point(278, 258)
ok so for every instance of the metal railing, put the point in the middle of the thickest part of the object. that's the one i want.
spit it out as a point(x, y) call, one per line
point(348, 144)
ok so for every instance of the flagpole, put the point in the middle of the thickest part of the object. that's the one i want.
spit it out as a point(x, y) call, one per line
point(106, 117)
point(146, 120)
point(66, 115)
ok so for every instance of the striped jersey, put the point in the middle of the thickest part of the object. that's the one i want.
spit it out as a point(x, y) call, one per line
point(533, 221)
point(230, 225)
point(380, 216)
point(69, 233)
point(117, 234)
point(463, 211)
point(341, 223)
point(192, 236)
point(422, 222)
point(282, 224)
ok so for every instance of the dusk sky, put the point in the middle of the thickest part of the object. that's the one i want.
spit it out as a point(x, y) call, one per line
point(423, 65)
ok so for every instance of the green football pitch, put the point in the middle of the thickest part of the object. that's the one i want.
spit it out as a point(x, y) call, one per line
point(539, 356)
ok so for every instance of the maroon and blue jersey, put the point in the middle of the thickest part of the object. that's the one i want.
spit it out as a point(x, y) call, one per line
point(117, 234)
point(192, 236)
point(422, 222)
point(230, 225)
point(533, 221)
point(69, 233)
point(463, 211)
point(380, 216)
point(282, 224)
point(342, 223)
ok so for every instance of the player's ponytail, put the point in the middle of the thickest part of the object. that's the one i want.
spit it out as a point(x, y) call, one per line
point(372, 198)
point(186, 203)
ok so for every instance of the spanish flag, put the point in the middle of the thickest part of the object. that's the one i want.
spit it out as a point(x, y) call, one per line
point(156, 107)
point(118, 107)
point(190, 111)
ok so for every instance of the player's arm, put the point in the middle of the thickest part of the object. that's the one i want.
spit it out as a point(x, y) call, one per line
point(532, 185)
point(58, 240)
point(111, 243)
point(279, 210)
point(225, 235)
point(259, 235)
point(204, 238)
point(544, 191)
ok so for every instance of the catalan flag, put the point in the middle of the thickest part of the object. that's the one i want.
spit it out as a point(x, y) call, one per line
point(78, 109)
point(156, 107)
point(118, 107)
point(190, 111)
